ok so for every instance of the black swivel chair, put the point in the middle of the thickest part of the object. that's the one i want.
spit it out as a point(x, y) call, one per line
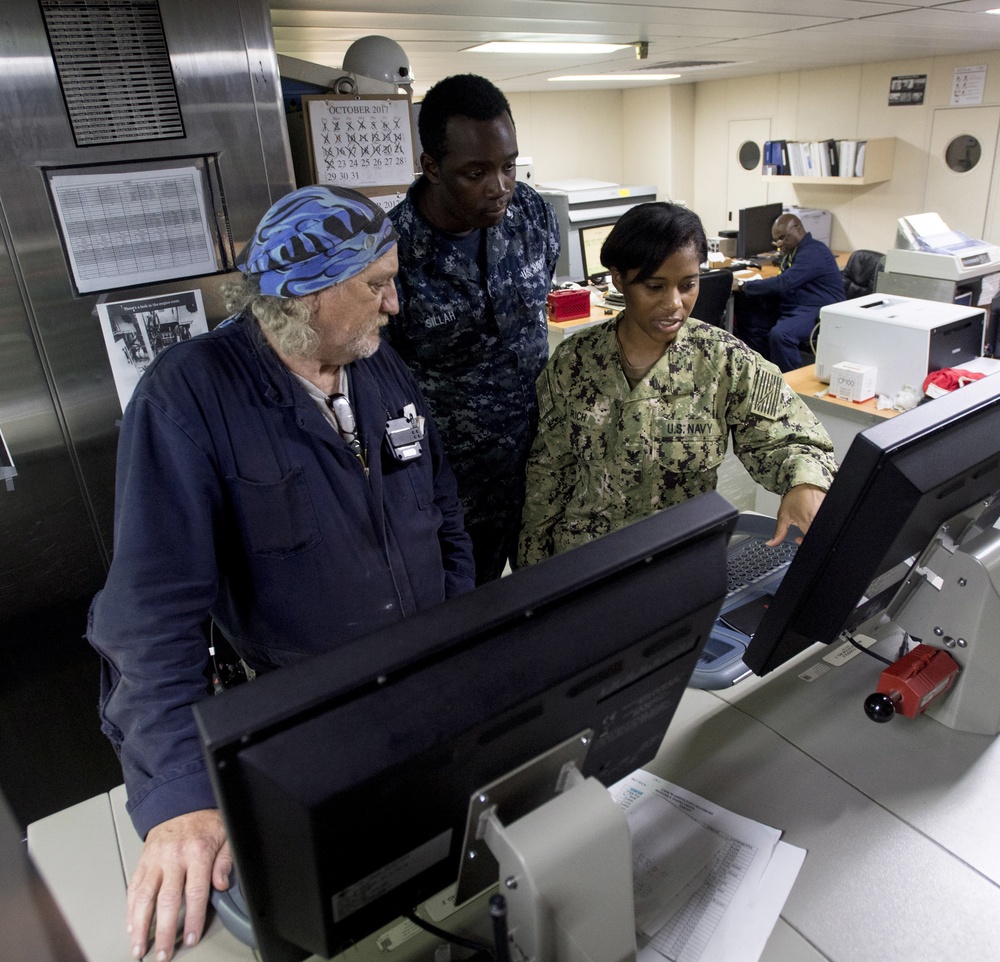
point(861, 272)
point(860, 275)
point(714, 290)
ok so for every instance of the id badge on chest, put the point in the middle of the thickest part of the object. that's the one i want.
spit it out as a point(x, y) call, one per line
point(405, 434)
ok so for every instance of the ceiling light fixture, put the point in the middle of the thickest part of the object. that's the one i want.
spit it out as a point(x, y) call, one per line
point(537, 46)
point(616, 76)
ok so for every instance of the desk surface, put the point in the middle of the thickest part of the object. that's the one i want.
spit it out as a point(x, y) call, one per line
point(599, 312)
point(898, 821)
point(804, 382)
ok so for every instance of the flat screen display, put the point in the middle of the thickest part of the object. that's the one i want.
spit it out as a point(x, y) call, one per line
point(345, 780)
point(755, 229)
point(899, 482)
point(592, 239)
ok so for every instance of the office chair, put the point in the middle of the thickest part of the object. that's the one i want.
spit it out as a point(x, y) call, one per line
point(861, 272)
point(714, 290)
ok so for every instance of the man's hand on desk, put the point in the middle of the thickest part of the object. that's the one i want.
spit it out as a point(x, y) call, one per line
point(740, 282)
point(798, 507)
point(183, 858)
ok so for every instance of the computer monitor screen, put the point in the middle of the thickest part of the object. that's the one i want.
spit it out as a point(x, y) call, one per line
point(592, 239)
point(345, 780)
point(754, 235)
point(899, 482)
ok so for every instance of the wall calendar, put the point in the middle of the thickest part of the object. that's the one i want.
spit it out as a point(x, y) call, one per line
point(360, 141)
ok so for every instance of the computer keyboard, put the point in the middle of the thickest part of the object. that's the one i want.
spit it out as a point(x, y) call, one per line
point(753, 561)
point(753, 573)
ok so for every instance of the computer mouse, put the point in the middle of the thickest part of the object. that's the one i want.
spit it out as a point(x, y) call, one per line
point(231, 907)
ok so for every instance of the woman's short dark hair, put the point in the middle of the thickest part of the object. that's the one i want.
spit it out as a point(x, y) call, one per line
point(463, 95)
point(647, 234)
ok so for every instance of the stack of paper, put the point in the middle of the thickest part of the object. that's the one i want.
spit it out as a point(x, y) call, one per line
point(709, 884)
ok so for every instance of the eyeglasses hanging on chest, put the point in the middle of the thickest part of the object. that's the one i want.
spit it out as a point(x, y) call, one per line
point(343, 414)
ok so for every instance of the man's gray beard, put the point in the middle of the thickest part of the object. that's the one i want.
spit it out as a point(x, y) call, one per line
point(365, 345)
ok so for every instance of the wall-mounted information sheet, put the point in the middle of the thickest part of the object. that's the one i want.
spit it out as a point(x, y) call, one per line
point(127, 229)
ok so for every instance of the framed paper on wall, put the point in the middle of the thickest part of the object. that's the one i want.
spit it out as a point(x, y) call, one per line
point(360, 141)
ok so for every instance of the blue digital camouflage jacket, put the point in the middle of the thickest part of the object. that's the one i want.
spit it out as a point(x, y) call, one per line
point(477, 349)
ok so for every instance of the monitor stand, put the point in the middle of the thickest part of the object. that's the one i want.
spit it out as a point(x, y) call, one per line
point(565, 867)
point(951, 600)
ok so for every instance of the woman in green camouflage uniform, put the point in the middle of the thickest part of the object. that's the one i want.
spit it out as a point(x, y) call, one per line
point(636, 413)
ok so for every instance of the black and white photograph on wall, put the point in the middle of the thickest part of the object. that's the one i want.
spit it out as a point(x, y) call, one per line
point(907, 91)
point(136, 331)
point(7, 470)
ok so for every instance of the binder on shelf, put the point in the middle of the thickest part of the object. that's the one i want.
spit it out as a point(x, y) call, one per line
point(769, 166)
point(833, 161)
point(848, 156)
point(817, 158)
point(775, 157)
point(808, 157)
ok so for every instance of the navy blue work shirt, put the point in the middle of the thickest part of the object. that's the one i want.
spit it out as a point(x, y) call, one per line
point(236, 498)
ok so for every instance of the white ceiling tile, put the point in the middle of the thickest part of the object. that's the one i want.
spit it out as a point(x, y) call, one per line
point(758, 36)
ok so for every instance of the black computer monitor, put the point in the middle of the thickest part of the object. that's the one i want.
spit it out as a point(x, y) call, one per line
point(754, 235)
point(899, 482)
point(345, 780)
point(592, 238)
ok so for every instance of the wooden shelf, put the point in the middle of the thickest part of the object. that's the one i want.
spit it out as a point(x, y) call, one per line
point(879, 155)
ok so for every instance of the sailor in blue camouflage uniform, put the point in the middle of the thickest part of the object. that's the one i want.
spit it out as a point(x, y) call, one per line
point(636, 413)
point(476, 256)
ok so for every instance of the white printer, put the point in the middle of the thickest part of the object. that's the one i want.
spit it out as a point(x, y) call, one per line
point(927, 247)
point(905, 338)
point(819, 223)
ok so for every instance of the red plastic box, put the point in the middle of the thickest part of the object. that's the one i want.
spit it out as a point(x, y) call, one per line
point(569, 305)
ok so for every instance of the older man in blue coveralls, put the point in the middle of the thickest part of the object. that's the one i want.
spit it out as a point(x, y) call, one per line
point(281, 477)
point(777, 314)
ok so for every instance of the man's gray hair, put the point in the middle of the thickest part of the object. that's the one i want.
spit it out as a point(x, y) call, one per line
point(287, 320)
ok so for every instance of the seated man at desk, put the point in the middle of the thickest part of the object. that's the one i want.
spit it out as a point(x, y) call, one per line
point(261, 483)
point(777, 314)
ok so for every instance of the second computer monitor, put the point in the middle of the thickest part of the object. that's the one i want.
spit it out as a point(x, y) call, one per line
point(900, 481)
point(592, 239)
point(755, 229)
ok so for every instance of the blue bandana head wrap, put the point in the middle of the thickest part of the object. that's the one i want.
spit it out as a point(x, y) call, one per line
point(315, 237)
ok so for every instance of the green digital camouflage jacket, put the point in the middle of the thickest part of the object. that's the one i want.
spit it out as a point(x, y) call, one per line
point(606, 456)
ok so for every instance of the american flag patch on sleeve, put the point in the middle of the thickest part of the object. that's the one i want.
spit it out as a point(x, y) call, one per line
point(765, 397)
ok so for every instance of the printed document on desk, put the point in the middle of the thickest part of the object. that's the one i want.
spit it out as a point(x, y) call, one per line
point(709, 884)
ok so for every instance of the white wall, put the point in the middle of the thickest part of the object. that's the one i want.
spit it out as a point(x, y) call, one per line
point(843, 102)
point(676, 137)
point(581, 133)
point(571, 133)
point(660, 151)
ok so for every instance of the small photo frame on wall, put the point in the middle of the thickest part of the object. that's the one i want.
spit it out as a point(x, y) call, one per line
point(907, 91)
